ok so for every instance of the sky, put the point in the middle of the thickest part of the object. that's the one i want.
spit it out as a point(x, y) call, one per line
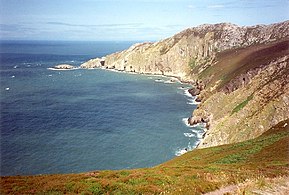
point(127, 20)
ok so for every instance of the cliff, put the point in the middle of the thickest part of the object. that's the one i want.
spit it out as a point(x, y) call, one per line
point(240, 75)
point(251, 95)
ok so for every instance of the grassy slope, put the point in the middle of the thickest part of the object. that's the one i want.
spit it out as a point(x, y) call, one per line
point(196, 172)
point(234, 62)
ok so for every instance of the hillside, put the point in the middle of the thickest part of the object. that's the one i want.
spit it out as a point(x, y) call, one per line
point(246, 93)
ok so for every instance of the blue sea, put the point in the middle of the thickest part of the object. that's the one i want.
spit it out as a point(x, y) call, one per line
point(83, 120)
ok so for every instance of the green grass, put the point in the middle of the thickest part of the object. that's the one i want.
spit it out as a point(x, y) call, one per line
point(196, 172)
point(192, 63)
point(242, 104)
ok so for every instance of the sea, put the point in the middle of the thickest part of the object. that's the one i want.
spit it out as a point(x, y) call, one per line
point(83, 120)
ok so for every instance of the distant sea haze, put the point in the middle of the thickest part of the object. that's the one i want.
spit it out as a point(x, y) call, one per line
point(83, 120)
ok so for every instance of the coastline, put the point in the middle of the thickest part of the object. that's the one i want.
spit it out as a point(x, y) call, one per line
point(186, 93)
point(179, 79)
point(171, 79)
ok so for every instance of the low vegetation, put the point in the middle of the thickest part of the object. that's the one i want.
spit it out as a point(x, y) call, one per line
point(197, 172)
point(192, 63)
point(242, 104)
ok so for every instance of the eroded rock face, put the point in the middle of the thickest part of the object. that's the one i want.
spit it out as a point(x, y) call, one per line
point(93, 63)
point(250, 110)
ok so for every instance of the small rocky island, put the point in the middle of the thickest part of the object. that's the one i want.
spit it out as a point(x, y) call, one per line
point(64, 67)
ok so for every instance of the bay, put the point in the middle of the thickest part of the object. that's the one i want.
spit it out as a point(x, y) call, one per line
point(83, 120)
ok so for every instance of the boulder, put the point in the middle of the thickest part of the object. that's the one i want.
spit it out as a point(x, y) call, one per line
point(194, 91)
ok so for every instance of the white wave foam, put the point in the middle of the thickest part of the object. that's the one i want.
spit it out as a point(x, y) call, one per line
point(159, 80)
point(192, 99)
point(182, 88)
point(196, 143)
point(199, 126)
point(198, 134)
point(193, 102)
point(180, 152)
point(169, 82)
point(197, 131)
point(186, 122)
point(187, 93)
point(189, 134)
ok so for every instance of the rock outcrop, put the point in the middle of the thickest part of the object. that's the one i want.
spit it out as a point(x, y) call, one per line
point(93, 63)
point(240, 75)
point(64, 67)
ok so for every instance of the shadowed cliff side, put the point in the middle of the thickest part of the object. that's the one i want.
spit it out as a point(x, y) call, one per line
point(239, 73)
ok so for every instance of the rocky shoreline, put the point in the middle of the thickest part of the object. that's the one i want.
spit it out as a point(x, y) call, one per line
point(194, 91)
point(227, 66)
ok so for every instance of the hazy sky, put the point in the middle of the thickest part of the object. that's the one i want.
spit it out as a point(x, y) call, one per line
point(127, 19)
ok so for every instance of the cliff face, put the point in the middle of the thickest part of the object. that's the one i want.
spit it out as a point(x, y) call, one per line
point(193, 47)
point(239, 73)
point(251, 101)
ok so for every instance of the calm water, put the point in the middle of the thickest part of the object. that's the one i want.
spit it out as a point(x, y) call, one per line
point(83, 120)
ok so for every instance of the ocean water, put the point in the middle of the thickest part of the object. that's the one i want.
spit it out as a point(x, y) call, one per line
point(83, 120)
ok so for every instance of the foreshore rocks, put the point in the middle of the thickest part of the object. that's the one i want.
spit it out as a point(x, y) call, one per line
point(197, 119)
point(64, 67)
point(194, 91)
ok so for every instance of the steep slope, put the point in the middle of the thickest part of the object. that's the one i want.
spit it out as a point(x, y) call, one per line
point(252, 92)
point(239, 73)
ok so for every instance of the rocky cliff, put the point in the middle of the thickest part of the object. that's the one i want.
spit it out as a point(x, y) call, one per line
point(240, 75)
